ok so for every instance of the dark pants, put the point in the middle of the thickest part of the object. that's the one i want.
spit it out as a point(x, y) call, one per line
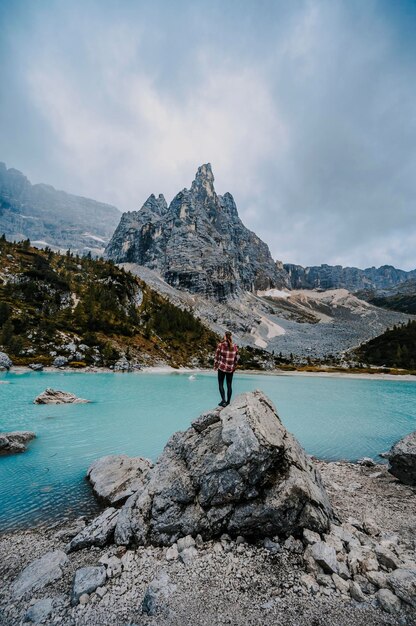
point(229, 377)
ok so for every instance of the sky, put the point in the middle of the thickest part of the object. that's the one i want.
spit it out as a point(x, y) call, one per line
point(305, 109)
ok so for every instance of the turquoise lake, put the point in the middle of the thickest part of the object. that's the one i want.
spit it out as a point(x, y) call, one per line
point(333, 418)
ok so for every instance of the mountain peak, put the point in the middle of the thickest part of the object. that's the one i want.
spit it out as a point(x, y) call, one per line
point(204, 180)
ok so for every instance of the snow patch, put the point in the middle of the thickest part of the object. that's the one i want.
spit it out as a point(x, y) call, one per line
point(274, 293)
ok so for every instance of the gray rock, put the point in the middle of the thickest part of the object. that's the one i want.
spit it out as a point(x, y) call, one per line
point(5, 361)
point(403, 583)
point(386, 557)
point(158, 590)
point(402, 459)
point(272, 546)
point(40, 573)
point(378, 579)
point(115, 478)
point(53, 396)
point(355, 591)
point(60, 361)
point(15, 441)
point(341, 584)
point(243, 475)
point(366, 462)
point(39, 612)
point(36, 367)
point(123, 365)
point(86, 580)
point(206, 419)
point(99, 532)
point(185, 242)
point(388, 601)
point(172, 553)
point(325, 556)
point(309, 582)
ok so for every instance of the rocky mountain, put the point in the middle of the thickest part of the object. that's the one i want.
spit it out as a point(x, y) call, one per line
point(351, 278)
point(198, 243)
point(53, 218)
point(305, 323)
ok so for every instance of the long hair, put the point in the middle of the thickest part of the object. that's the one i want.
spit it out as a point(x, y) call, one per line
point(228, 338)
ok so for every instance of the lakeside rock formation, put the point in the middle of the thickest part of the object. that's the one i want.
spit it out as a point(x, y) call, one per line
point(54, 396)
point(402, 459)
point(235, 471)
point(15, 441)
point(198, 243)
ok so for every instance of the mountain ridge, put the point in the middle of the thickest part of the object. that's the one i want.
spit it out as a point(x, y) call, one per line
point(51, 217)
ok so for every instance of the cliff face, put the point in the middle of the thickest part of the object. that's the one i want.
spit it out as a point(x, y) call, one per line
point(198, 243)
point(50, 217)
point(351, 278)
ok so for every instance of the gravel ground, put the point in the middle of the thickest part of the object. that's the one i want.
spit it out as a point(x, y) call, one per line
point(225, 582)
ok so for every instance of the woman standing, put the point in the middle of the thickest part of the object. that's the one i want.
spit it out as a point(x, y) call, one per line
point(225, 361)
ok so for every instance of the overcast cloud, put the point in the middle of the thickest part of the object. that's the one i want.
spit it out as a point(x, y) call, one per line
point(305, 109)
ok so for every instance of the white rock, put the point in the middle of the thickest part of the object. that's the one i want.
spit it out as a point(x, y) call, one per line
point(188, 554)
point(377, 578)
point(172, 553)
point(185, 542)
point(310, 537)
point(84, 599)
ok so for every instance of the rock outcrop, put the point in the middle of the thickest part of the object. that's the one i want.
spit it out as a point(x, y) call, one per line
point(5, 361)
point(16, 441)
point(198, 243)
point(54, 396)
point(50, 217)
point(235, 471)
point(402, 459)
point(115, 478)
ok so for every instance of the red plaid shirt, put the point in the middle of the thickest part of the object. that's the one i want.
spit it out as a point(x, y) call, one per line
point(226, 359)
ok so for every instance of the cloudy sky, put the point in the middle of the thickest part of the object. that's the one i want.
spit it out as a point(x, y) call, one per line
point(305, 109)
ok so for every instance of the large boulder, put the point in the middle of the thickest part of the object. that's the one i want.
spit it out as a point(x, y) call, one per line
point(115, 478)
point(402, 459)
point(15, 441)
point(54, 396)
point(235, 471)
point(5, 361)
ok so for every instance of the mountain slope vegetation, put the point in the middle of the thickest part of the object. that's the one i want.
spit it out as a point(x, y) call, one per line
point(396, 347)
point(93, 312)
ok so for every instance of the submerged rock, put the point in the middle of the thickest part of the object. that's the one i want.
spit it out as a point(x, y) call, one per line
point(115, 478)
point(402, 459)
point(241, 473)
point(13, 442)
point(54, 396)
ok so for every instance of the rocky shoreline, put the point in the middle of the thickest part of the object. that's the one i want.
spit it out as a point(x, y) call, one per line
point(234, 524)
point(226, 581)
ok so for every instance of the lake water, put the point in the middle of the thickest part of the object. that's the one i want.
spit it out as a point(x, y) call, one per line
point(333, 418)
